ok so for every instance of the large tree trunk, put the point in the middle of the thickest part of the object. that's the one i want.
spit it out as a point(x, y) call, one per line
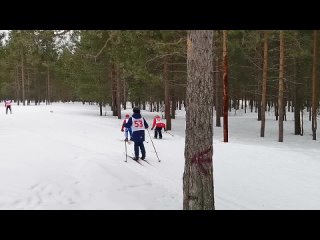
point(124, 97)
point(264, 84)
point(297, 126)
point(218, 95)
point(100, 108)
point(172, 94)
point(118, 92)
point(281, 87)
point(17, 84)
point(173, 104)
point(114, 91)
point(225, 87)
point(22, 80)
point(38, 89)
point(166, 94)
point(302, 122)
point(314, 86)
point(217, 81)
point(48, 86)
point(28, 88)
point(297, 103)
point(245, 103)
point(198, 191)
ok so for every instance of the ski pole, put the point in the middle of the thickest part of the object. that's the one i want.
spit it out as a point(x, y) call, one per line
point(153, 145)
point(125, 144)
point(169, 133)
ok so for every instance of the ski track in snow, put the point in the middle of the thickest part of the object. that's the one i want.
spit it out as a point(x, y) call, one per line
point(66, 156)
point(70, 158)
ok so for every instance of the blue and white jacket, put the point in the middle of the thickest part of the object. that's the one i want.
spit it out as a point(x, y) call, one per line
point(137, 124)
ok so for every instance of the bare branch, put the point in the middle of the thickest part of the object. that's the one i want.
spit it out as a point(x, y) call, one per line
point(173, 43)
point(162, 56)
point(104, 46)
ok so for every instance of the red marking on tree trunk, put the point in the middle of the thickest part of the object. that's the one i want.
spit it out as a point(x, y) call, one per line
point(202, 158)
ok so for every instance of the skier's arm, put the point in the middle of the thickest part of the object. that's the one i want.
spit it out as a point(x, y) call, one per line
point(122, 125)
point(145, 123)
point(128, 124)
point(164, 126)
point(153, 124)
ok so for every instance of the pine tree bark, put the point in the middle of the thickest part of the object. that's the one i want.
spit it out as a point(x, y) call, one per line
point(198, 190)
point(225, 87)
point(17, 84)
point(22, 80)
point(314, 86)
point(124, 97)
point(264, 84)
point(245, 103)
point(296, 103)
point(218, 95)
point(28, 87)
point(118, 90)
point(114, 91)
point(173, 104)
point(281, 87)
point(100, 108)
point(166, 94)
point(48, 85)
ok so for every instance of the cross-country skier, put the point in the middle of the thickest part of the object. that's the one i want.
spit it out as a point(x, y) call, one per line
point(138, 125)
point(158, 124)
point(7, 104)
point(126, 130)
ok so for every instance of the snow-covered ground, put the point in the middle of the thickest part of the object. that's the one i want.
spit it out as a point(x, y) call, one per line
point(65, 156)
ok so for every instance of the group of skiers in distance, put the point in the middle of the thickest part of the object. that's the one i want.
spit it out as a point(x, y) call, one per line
point(135, 127)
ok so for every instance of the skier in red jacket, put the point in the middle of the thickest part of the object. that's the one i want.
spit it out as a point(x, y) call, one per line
point(158, 124)
point(126, 129)
point(7, 104)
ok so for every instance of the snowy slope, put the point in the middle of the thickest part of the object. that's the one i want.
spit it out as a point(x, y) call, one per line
point(72, 158)
point(65, 156)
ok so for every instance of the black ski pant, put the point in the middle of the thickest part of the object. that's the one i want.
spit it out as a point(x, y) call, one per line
point(136, 149)
point(156, 131)
point(8, 107)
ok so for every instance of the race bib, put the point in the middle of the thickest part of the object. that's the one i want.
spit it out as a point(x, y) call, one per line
point(137, 124)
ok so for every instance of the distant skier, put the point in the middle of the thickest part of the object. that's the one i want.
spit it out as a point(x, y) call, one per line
point(126, 130)
point(138, 125)
point(7, 104)
point(158, 124)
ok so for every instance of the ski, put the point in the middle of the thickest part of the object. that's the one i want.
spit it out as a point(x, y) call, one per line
point(146, 161)
point(135, 160)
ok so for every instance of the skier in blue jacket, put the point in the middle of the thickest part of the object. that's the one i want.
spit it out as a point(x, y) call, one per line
point(138, 124)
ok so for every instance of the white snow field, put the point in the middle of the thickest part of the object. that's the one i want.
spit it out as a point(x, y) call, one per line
point(66, 156)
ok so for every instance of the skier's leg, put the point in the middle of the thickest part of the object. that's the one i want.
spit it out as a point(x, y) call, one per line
point(143, 150)
point(160, 133)
point(155, 133)
point(136, 149)
point(126, 134)
point(130, 131)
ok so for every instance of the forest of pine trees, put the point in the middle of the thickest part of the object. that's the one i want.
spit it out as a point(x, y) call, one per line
point(165, 70)
point(149, 69)
point(254, 70)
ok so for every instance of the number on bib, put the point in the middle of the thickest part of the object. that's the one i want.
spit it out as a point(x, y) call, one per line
point(138, 123)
